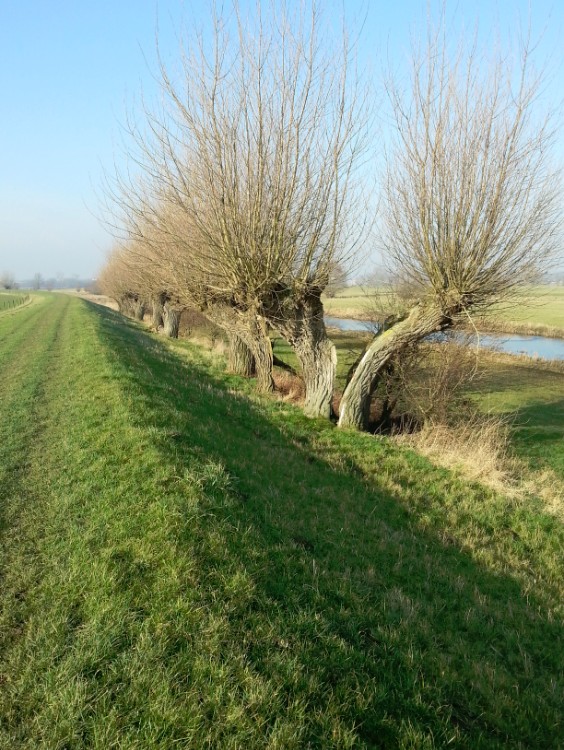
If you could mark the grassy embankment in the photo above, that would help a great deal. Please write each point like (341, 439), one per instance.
(9, 300)
(184, 565)
(531, 395)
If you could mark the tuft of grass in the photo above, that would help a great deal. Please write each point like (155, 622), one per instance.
(478, 446)
(185, 564)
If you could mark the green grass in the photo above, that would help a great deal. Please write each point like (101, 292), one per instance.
(352, 302)
(185, 565)
(528, 393)
(542, 305)
(531, 396)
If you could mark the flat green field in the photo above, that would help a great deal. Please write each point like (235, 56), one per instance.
(542, 305)
(185, 565)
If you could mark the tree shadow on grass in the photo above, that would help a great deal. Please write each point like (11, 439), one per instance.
(370, 592)
(538, 434)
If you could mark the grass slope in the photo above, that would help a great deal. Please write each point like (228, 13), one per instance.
(531, 396)
(184, 565)
(12, 301)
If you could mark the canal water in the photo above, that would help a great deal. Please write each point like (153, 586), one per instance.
(532, 346)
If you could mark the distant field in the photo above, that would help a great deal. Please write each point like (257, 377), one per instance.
(538, 306)
(354, 301)
(9, 301)
(542, 305)
(185, 565)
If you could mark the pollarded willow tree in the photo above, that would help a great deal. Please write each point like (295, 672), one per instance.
(118, 280)
(248, 172)
(471, 210)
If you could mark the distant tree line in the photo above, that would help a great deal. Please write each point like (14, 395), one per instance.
(248, 198)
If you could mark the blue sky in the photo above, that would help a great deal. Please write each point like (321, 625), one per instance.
(69, 70)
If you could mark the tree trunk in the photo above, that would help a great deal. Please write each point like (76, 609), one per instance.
(355, 404)
(157, 312)
(125, 305)
(171, 318)
(241, 359)
(138, 308)
(260, 345)
(252, 329)
(319, 362)
(303, 328)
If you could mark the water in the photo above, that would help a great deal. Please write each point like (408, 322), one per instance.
(348, 324)
(532, 346)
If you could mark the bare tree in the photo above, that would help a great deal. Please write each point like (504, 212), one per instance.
(338, 278)
(117, 280)
(7, 280)
(246, 176)
(471, 197)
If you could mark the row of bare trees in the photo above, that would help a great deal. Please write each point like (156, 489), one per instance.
(249, 193)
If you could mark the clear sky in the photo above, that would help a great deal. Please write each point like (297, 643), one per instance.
(69, 70)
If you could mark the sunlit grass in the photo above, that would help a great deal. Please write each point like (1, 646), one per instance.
(531, 395)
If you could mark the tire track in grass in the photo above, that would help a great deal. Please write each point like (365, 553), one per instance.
(23, 370)
(22, 421)
(15, 329)
(87, 594)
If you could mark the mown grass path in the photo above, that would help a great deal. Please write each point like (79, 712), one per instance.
(183, 565)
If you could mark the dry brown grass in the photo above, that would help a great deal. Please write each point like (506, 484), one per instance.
(547, 485)
(99, 299)
(526, 328)
(290, 387)
(478, 449)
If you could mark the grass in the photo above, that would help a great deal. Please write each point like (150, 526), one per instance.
(185, 565)
(531, 396)
(526, 392)
(10, 301)
(542, 305)
(352, 302)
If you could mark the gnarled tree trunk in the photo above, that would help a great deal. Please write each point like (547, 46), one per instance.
(171, 318)
(157, 312)
(303, 328)
(138, 308)
(241, 359)
(252, 329)
(258, 341)
(355, 404)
